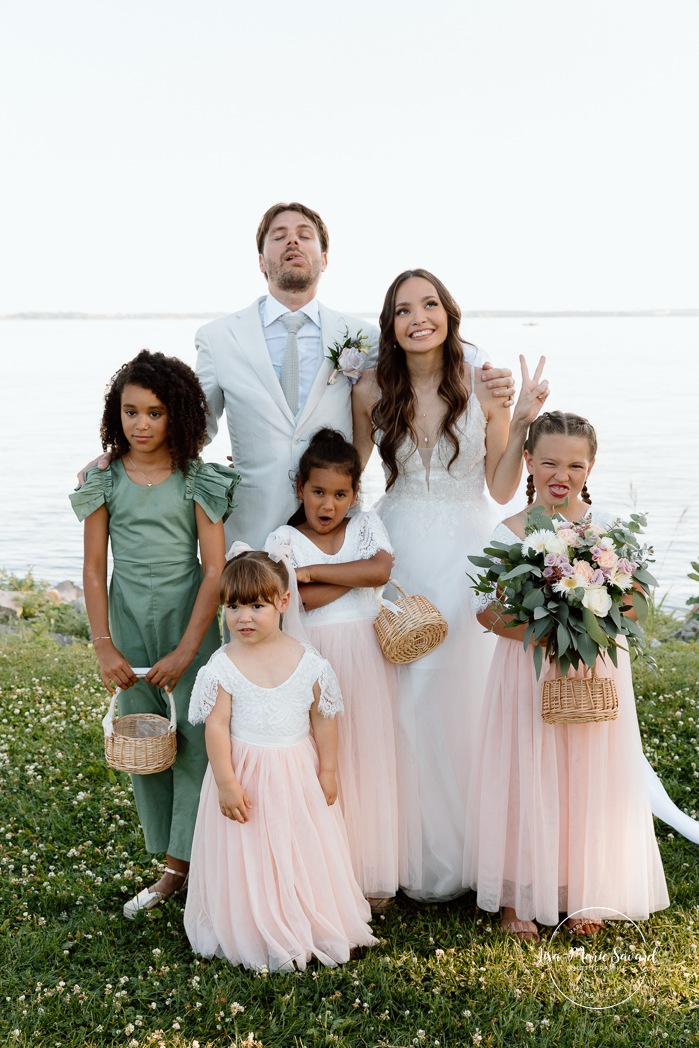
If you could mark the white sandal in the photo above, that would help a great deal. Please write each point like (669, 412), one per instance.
(147, 899)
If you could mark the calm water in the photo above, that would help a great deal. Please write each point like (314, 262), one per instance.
(635, 378)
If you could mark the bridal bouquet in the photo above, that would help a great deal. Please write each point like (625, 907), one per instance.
(570, 585)
(349, 356)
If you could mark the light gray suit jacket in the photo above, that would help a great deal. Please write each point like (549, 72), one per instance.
(235, 369)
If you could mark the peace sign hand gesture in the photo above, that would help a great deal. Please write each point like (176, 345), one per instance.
(532, 395)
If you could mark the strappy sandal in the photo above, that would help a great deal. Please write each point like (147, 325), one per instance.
(147, 899)
(525, 931)
(576, 924)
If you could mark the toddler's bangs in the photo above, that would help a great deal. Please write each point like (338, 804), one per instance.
(246, 580)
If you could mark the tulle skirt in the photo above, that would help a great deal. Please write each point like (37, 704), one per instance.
(559, 815)
(279, 889)
(367, 782)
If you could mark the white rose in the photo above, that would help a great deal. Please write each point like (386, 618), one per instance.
(570, 537)
(555, 544)
(597, 600)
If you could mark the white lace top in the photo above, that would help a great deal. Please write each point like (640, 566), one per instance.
(365, 535)
(267, 716)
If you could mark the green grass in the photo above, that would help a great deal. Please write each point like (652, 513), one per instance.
(76, 973)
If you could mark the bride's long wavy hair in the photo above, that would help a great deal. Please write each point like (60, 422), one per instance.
(394, 412)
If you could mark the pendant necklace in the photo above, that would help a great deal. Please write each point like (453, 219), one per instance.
(425, 437)
(158, 469)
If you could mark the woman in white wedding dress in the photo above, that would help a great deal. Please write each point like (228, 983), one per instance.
(444, 437)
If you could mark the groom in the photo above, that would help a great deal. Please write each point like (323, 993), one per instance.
(273, 410)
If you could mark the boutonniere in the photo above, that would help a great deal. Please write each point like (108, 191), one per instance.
(349, 356)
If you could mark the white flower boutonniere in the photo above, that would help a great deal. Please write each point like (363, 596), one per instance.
(349, 356)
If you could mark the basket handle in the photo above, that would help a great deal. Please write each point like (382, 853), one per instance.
(384, 602)
(109, 717)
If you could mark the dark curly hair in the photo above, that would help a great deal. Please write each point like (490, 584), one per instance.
(175, 384)
(327, 449)
(394, 412)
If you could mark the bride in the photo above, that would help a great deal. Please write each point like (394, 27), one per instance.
(443, 437)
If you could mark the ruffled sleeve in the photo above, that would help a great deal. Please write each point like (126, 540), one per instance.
(330, 701)
(371, 535)
(212, 487)
(95, 492)
(204, 693)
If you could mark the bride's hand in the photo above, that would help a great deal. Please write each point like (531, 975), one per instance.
(533, 393)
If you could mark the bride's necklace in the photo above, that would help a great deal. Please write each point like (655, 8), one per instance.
(427, 430)
(153, 473)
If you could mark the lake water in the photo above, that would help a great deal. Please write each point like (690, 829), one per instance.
(635, 378)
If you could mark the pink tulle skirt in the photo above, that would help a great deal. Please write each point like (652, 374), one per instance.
(367, 785)
(279, 889)
(559, 815)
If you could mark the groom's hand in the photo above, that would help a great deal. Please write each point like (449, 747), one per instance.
(500, 381)
(102, 462)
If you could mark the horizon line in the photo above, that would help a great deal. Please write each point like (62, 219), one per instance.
(471, 313)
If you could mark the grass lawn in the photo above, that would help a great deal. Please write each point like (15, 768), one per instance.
(75, 973)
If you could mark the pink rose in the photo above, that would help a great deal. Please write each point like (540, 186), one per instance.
(607, 558)
(583, 569)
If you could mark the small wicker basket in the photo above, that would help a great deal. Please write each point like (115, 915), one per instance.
(140, 743)
(579, 700)
(409, 628)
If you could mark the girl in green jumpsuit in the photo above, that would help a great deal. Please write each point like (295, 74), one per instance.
(155, 503)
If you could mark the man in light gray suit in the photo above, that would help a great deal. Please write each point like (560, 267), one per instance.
(240, 359)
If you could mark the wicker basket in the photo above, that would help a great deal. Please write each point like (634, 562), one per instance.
(578, 700)
(409, 628)
(140, 743)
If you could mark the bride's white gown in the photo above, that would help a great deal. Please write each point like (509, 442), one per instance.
(435, 518)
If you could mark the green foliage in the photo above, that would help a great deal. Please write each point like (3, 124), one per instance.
(694, 601)
(39, 612)
(77, 975)
(558, 584)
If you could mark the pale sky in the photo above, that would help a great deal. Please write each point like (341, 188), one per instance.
(536, 154)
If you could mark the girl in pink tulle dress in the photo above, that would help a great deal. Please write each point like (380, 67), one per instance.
(271, 882)
(341, 562)
(559, 814)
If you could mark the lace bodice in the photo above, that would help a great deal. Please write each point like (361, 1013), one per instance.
(365, 535)
(267, 716)
(464, 481)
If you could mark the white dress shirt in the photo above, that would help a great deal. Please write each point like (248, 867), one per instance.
(308, 338)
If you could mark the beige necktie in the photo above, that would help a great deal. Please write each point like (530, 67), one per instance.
(290, 364)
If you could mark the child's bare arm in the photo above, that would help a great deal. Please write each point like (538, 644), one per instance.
(212, 544)
(372, 572)
(325, 734)
(232, 798)
(318, 594)
(114, 668)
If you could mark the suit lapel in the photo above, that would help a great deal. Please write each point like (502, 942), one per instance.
(246, 329)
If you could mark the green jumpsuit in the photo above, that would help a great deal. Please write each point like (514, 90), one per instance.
(154, 584)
